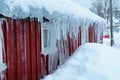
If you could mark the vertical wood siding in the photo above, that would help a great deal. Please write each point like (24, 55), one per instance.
(22, 42)
(22, 49)
(92, 34)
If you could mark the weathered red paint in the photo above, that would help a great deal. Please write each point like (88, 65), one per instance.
(22, 52)
(93, 33)
(44, 65)
(11, 59)
(27, 49)
(33, 50)
(90, 33)
(20, 49)
(22, 42)
(38, 46)
(106, 36)
(73, 43)
(79, 36)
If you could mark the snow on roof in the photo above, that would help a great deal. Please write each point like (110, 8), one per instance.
(34, 8)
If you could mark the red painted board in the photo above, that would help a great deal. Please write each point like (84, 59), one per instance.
(33, 50)
(28, 73)
(69, 44)
(90, 34)
(38, 44)
(20, 49)
(79, 36)
(10, 50)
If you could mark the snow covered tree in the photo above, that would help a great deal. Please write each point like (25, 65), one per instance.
(102, 8)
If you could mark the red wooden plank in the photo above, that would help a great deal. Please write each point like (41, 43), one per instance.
(79, 36)
(69, 44)
(38, 43)
(10, 50)
(42, 66)
(20, 50)
(90, 37)
(47, 64)
(33, 50)
(27, 49)
(94, 34)
(72, 43)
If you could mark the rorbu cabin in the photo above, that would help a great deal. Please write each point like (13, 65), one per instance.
(37, 36)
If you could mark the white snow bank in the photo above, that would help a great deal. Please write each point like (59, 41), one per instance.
(116, 40)
(32, 8)
(90, 62)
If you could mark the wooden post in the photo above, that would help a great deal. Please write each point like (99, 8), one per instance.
(111, 24)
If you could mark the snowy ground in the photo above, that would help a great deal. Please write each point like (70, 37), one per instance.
(116, 40)
(91, 62)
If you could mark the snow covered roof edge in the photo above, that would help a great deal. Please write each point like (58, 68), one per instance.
(33, 8)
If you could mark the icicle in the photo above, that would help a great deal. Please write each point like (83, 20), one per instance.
(1, 38)
(2, 66)
(53, 62)
(61, 25)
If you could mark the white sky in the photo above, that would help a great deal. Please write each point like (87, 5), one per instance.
(85, 3)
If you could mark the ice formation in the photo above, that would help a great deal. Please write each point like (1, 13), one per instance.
(69, 22)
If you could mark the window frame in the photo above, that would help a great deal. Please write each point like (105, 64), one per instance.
(45, 26)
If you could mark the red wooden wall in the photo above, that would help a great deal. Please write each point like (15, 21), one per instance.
(95, 34)
(22, 40)
(69, 45)
(22, 49)
(92, 35)
(65, 47)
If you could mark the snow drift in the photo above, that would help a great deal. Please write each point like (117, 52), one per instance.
(90, 62)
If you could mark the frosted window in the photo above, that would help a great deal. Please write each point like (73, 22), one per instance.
(45, 32)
